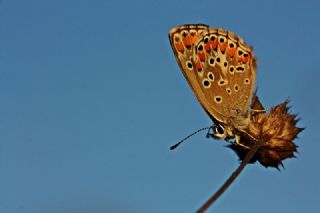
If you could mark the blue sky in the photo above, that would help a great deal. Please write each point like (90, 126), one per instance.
(91, 98)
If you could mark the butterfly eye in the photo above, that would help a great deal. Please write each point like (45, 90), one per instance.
(219, 129)
(219, 132)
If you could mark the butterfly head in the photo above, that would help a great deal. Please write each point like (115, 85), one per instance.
(219, 131)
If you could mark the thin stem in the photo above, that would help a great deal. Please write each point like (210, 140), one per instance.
(233, 176)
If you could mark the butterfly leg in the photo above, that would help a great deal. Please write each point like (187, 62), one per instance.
(258, 110)
(237, 141)
(209, 133)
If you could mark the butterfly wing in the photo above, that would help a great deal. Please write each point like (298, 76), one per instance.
(183, 40)
(219, 67)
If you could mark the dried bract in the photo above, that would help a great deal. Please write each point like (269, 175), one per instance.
(277, 129)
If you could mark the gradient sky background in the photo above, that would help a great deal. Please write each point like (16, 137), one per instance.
(91, 98)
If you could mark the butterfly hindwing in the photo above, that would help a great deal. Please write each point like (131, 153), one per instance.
(228, 74)
(183, 40)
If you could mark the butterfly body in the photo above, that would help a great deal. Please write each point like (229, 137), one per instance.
(221, 70)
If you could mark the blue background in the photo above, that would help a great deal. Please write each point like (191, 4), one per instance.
(91, 98)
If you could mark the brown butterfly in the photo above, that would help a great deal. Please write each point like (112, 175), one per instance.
(221, 70)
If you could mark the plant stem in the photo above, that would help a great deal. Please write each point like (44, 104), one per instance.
(233, 176)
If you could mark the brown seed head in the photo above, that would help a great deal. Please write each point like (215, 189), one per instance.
(277, 129)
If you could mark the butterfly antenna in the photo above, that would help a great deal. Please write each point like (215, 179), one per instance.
(192, 134)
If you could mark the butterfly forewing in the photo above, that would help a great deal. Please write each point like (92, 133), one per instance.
(219, 67)
(183, 40)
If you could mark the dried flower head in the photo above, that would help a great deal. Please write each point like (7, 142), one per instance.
(277, 129)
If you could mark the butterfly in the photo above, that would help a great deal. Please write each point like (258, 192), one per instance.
(221, 70)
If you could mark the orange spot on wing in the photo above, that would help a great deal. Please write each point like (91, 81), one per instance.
(215, 44)
(207, 47)
(240, 58)
(202, 56)
(223, 46)
(187, 41)
(194, 39)
(198, 66)
(232, 51)
(179, 46)
(245, 59)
